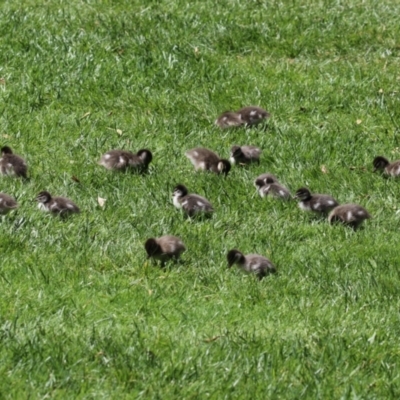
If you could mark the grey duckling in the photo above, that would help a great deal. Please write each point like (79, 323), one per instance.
(122, 160)
(245, 154)
(319, 203)
(269, 186)
(7, 203)
(12, 164)
(251, 263)
(164, 248)
(192, 204)
(253, 115)
(389, 168)
(349, 214)
(56, 205)
(207, 160)
(229, 119)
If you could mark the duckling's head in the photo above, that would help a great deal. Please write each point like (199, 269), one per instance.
(145, 155)
(260, 183)
(152, 247)
(380, 163)
(6, 150)
(43, 197)
(180, 191)
(302, 194)
(234, 257)
(224, 166)
(236, 151)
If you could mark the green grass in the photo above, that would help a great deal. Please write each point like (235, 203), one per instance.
(84, 315)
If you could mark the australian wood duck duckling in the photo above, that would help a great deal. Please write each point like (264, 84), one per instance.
(349, 214)
(263, 177)
(253, 115)
(121, 160)
(192, 204)
(12, 164)
(319, 203)
(7, 203)
(389, 168)
(56, 205)
(207, 160)
(164, 248)
(245, 154)
(251, 263)
(229, 119)
(268, 186)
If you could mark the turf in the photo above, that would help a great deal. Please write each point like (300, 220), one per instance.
(83, 314)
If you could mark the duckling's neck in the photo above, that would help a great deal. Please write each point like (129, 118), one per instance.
(176, 201)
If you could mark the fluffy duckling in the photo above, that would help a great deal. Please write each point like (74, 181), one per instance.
(164, 248)
(7, 203)
(269, 186)
(207, 160)
(349, 214)
(253, 115)
(229, 119)
(192, 204)
(251, 263)
(319, 203)
(12, 164)
(389, 168)
(121, 160)
(56, 205)
(265, 176)
(245, 154)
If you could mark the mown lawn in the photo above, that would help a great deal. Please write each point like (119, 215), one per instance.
(83, 314)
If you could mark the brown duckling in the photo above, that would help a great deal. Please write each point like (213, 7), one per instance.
(7, 203)
(319, 203)
(164, 248)
(12, 164)
(229, 119)
(192, 204)
(349, 214)
(389, 168)
(251, 263)
(207, 160)
(253, 115)
(269, 186)
(56, 205)
(122, 160)
(263, 177)
(245, 154)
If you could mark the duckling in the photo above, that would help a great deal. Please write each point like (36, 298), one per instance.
(253, 115)
(192, 204)
(7, 203)
(251, 263)
(229, 119)
(164, 248)
(320, 203)
(349, 214)
(56, 205)
(12, 164)
(269, 186)
(245, 154)
(265, 176)
(122, 160)
(382, 163)
(207, 160)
